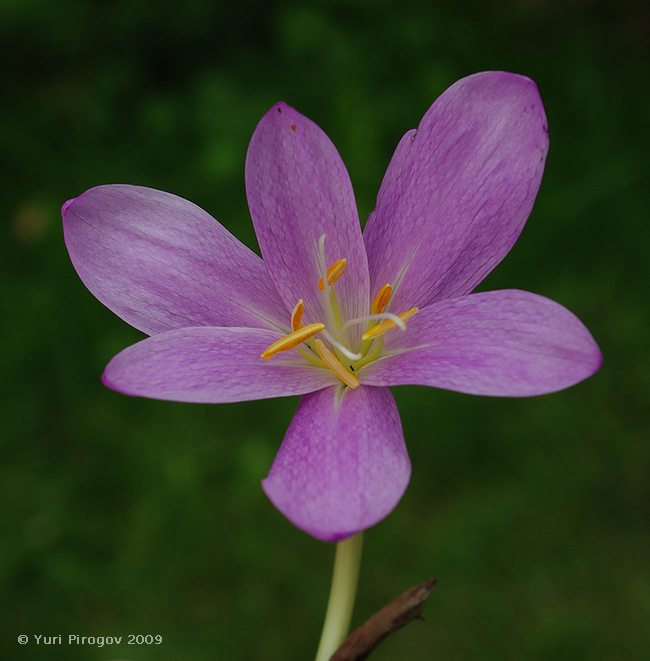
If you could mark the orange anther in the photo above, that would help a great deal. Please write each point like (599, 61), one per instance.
(381, 300)
(388, 324)
(334, 272)
(292, 340)
(296, 315)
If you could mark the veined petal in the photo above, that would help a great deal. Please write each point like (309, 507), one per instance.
(160, 262)
(343, 465)
(211, 365)
(507, 343)
(298, 189)
(458, 190)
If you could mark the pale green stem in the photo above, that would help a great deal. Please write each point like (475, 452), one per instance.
(342, 594)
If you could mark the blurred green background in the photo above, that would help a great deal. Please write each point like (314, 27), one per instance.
(131, 516)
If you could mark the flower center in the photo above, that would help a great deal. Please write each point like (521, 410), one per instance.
(332, 351)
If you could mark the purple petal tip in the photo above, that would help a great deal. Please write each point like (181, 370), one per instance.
(342, 466)
(520, 77)
(112, 384)
(66, 206)
(107, 383)
(281, 108)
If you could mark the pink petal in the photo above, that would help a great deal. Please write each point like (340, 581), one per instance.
(161, 262)
(507, 343)
(343, 465)
(458, 190)
(211, 365)
(298, 189)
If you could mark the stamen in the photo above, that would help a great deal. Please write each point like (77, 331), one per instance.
(341, 347)
(330, 303)
(292, 340)
(381, 300)
(384, 326)
(334, 272)
(335, 365)
(296, 315)
(372, 317)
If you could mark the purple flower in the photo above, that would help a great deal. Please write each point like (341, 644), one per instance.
(331, 314)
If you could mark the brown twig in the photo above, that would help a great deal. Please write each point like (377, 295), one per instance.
(393, 616)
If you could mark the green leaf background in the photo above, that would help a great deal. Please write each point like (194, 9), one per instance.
(130, 516)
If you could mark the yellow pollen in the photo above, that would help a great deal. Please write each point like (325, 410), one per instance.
(335, 365)
(386, 325)
(292, 340)
(334, 272)
(296, 315)
(381, 300)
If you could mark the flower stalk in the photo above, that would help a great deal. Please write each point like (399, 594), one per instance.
(342, 595)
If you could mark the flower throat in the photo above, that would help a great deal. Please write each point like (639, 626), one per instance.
(332, 350)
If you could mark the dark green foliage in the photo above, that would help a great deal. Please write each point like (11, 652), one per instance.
(130, 516)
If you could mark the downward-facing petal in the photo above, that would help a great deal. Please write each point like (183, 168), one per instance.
(298, 189)
(211, 365)
(507, 343)
(160, 262)
(343, 465)
(458, 190)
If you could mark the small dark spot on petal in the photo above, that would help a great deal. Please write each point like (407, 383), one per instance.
(279, 109)
(293, 127)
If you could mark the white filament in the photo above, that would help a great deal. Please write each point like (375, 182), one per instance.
(322, 264)
(341, 347)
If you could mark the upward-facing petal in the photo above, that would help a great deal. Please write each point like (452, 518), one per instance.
(343, 465)
(160, 262)
(298, 189)
(458, 190)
